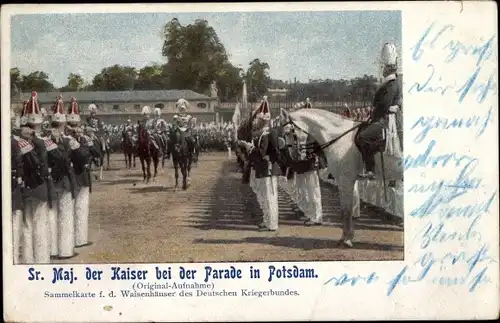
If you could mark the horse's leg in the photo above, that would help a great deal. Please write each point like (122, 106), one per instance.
(148, 165)
(176, 172)
(101, 167)
(143, 167)
(126, 159)
(184, 174)
(108, 155)
(347, 195)
(156, 161)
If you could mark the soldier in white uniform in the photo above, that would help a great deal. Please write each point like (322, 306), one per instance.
(62, 221)
(36, 241)
(184, 120)
(17, 184)
(264, 158)
(308, 104)
(81, 167)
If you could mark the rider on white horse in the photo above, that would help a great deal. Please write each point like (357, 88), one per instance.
(184, 120)
(386, 101)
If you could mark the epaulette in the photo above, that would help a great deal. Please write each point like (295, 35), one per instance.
(73, 143)
(24, 145)
(49, 144)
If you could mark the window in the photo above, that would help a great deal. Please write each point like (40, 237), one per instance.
(137, 106)
(116, 107)
(201, 105)
(159, 105)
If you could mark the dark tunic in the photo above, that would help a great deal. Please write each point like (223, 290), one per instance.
(66, 182)
(265, 158)
(39, 192)
(17, 172)
(370, 137)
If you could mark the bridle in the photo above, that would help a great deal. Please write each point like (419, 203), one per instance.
(317, 148)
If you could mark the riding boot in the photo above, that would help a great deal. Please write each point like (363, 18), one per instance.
(369, 161)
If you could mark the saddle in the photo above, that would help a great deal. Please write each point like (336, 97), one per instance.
(380, 145)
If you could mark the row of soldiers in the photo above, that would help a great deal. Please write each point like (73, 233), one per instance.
(268, 158)
(51, 183)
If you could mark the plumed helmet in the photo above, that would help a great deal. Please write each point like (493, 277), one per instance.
(182, 104)
(176, 116)
(389, 55)
(58, 114)
(33, 111)
(263, 112)
(73, 115)
(157, 112)
(146, 110)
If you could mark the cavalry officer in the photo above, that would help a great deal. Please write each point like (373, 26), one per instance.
(385, 101)
(184, 119)
(265, 158)
(159, 126)
(62, 221)
(81, 168)
(37, 197)
(16, 188)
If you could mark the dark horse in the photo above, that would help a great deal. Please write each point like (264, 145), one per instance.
(147, 151)
(129, 147)
(182, 155)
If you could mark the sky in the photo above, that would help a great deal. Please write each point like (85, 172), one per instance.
(302, 45)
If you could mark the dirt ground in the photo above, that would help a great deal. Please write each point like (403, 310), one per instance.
(215, 220)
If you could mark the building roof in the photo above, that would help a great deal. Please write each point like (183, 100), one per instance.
(119, 96)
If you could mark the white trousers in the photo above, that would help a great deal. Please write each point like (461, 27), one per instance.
(267, 193)
(290, 187)
(36, 233)
(309, 195)
(81, 212)
(17, 234)
(229, 154)
(62, 226)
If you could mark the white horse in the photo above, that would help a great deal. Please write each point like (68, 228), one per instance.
(343, 157)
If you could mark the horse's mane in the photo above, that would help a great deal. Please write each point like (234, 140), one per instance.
(323, 118)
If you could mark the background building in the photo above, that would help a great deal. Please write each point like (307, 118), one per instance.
(118, 106)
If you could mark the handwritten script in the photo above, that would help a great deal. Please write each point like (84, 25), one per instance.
(455, 78)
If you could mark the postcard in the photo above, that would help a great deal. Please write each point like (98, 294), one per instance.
(250, 161)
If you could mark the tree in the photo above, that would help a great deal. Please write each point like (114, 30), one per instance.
(115, 78)
(257, 77)
(151, 77)
(196, 57)
(75, 83)
(37, 81)
(15, 80)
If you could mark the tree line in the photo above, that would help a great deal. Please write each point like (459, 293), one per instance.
(195, 57)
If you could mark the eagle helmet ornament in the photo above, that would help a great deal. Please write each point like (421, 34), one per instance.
(182, 105)
(92, 108)
(73, 115)
(389, 56)
(58, 114)
(33, 111)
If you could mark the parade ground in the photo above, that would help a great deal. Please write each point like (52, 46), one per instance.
(215, 219)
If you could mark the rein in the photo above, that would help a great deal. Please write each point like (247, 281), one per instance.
(327, 144)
